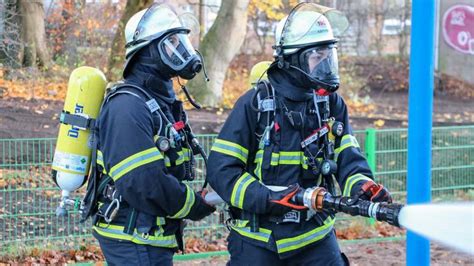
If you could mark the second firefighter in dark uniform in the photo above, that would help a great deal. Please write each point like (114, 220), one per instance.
(283, 134)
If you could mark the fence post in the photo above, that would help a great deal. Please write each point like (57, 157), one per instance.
(370, 153)
(371, 147)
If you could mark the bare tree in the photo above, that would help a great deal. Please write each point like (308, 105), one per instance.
(33, 34)
(10, 42)
(117, 54)
(379, 10)
(404, 31)
(358, 16)
(67, 41)
(262, 26)
(219, 46)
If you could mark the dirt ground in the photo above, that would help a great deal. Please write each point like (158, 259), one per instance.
(376, 254)
(20, 118)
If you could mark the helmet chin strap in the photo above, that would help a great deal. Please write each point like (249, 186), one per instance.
(314, 80)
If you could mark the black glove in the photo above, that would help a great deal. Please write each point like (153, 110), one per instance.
(374, 192)
(281, 202)
(200, 209)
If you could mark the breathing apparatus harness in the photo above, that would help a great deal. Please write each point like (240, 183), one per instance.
(175, 133)
(268, 103)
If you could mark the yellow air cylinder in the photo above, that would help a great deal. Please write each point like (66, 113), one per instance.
(72, 156)
(258, 72)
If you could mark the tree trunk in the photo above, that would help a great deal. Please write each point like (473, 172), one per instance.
(35, 51)
(219, 46)
(117, 54)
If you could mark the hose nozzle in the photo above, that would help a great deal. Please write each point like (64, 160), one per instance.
(319, 199)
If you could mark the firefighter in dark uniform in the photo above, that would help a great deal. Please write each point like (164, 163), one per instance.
(144, 146)
(283, 136)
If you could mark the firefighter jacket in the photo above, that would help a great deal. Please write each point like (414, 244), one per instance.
(153, 200)
(240, 169)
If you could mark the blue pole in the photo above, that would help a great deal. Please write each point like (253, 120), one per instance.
(420, 120)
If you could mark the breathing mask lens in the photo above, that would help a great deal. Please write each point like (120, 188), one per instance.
(176, 50)
(321, 63)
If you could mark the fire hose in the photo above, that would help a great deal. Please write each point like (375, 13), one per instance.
(318, 199)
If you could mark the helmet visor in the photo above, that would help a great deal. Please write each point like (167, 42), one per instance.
(176, 50)
(321, 63)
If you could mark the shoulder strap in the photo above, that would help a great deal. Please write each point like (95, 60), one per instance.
(152, 104)
(266, 104)
(119, 89)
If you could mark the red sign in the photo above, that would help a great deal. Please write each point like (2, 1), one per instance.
(458, 28)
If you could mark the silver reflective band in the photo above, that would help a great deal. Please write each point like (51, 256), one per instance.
(373, 210)
(307, 196)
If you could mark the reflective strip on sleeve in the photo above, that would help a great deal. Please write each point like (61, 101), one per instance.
(116, 232)
(184, 156)
(346, 142)
(134, 161)
(351, 181)
(188, 204)
(238, 192)
(289, 244)
(231, 149)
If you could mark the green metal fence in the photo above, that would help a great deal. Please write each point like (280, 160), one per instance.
(28, 196)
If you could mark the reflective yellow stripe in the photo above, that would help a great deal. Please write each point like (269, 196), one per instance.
(258, 167)
(351, 181)
(238, 192)
(290, 158)
(287, 157)
(100, 161)
(190, 198)
(160, 220)
(289, 244)
(116, 232)
(346, 142)
(230, 148)
(134, 161)
(184, 156)
(262, 234)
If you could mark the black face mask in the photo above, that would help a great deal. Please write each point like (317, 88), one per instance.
(191, 69)
(150, 58)
(177, 53)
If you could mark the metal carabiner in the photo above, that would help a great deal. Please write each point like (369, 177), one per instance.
(112, 211)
